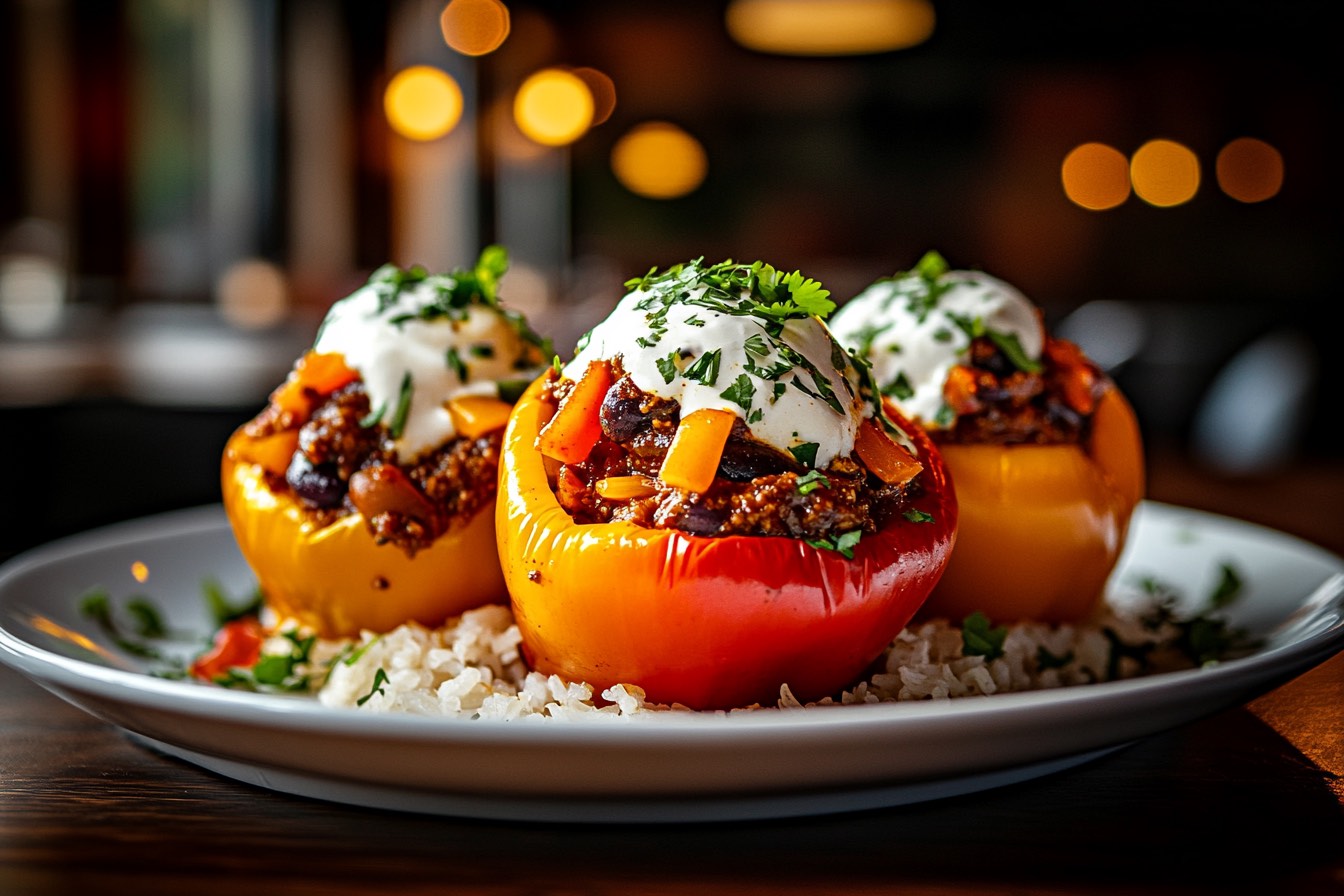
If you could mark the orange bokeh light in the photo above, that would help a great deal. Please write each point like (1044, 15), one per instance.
(1096, 176)
(474, 27)
(1249, 170)
(1164, 173)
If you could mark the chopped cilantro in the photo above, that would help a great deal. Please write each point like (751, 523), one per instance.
(398, 424)
(978, 638)
(379, 679)
(740, 392)
(915, 515)
(805, 454)
(456, 364)
(811, 481)
(705, 369)
(668, 366)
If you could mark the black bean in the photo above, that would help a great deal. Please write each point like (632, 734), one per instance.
(746, 459)
(317, 486)
(699, 520)
(622, 417)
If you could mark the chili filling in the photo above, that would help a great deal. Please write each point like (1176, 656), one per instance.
(757, 490)
(344, 465)
(996, 402)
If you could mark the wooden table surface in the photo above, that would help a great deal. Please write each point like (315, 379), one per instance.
(1250, 800)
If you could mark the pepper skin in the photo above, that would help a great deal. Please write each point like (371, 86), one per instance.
(1041, 526)
(709, 623)
(336, 579)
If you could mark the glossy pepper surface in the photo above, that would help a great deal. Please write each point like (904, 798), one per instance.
(702, 621)
(1041, 526)
(336, 578)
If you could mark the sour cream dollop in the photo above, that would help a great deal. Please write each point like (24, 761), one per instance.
(418, 340)
(915, 327)
(718, 337)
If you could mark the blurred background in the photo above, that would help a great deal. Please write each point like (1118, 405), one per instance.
(185, 187)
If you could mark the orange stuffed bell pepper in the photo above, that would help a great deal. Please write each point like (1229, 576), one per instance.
(362, 496)
(1043, 448)
(710, 503)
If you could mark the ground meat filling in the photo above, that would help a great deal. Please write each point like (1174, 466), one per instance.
(997, 403)
(755, 492)
(343, 466)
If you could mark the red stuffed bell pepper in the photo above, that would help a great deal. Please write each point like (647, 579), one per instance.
(708, 502)
(363, 495)
(1043, 448)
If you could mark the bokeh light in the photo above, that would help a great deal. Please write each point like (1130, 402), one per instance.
(829, 27)
(1164, 173)
(1249, 170)
(474, 27)
(554, 107)
(423, 103)
(603, 90)
(1096, 176)
(139, 571)
(659, 160)
(252, 294)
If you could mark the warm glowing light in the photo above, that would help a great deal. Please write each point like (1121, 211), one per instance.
(252, 294)
(603, 90)
(1164, 173)
(829, 27)
(32, 295)
(554, 107)
(659, 160)
(1096, 176)
(1249, 170)
(423, 103)
(474, 27)
(140, 572)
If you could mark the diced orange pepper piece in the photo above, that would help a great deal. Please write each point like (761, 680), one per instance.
(475, 415)
(271, 452)
(883, 457)
(625, 488)
(693, 458)
(959, 391)
(323, 373)
(577, 425)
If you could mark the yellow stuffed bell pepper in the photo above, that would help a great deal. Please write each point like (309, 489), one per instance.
(362, 496)
(1042, 526)
(1044, 450)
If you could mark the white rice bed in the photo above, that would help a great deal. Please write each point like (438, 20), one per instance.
(472, 667)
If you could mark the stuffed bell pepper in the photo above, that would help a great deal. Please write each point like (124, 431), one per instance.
(362, 496)
(1043, 448)
(710, 502)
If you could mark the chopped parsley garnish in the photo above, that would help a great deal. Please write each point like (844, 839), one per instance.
(979, 638)
(899, 388)
(456, 364)
(668, 366)
(741, 392)
(811, 481)
(379, 679)
(915, 515)
(705, 369)
(399, 416)
(843, 544)
(805, 454)
(371, 419)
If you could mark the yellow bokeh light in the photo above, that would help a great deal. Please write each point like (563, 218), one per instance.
(139, 571)
(1164, 173)
(659, 160)
(423, 103)
(553, 107)
(474, 27)
(1249, 170)
(829, 27)
(1096, 176)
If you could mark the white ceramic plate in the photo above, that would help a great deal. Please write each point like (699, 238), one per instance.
(664, 767)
